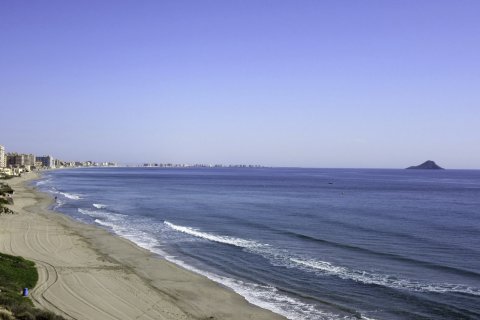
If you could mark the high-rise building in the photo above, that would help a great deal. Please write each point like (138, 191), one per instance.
(3, 160)
(47, 161)
(15, 160)
(19, 160)
(29, 160)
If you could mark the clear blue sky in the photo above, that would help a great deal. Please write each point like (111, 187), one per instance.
(284, 83)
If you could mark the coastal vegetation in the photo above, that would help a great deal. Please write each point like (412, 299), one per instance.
(5, 189)
(17, 273)
(5, 192)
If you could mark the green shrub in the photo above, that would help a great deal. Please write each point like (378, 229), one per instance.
(17, 273)
(5, 189)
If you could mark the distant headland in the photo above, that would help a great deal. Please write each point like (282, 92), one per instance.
(429, 164)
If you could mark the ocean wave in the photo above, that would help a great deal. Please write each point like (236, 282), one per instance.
(382, 280)
(268, 297)
(238, 242)
(69, 195)
(141, 238)
(58, 204)
(425, 264)
(281, 257)
(106, 224)
(105, 215)
(42, 182)
(99, 205)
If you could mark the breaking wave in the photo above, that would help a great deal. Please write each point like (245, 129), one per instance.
(69, 195)
(105, 215)
(268, 297)
(281, 257)
(42, 182)
(238, 242)
(381, 280)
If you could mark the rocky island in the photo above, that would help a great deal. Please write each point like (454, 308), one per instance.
(429, 164)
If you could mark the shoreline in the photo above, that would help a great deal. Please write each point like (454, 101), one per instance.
(86, 272)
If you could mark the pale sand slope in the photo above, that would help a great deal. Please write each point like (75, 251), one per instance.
(87, 273)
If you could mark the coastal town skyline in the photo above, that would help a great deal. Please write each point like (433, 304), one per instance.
(14, 163)
(310, 84)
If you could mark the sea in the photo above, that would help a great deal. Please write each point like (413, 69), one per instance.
(304, 243)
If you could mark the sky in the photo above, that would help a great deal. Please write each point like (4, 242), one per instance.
(358, 84)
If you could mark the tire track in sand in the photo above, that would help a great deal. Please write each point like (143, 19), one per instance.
(48, 276)
(47, 273)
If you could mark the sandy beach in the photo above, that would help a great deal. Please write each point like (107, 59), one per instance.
(87, 273)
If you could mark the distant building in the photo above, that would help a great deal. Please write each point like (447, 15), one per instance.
(47, 161)
(15, 160)
(29, 160)
(3, 161)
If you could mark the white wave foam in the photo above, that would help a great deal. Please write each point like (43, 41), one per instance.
(106, 224)
(382, 280)
(58, 204)
(69, 195)
(105, 215)
(280, 257)
(140, 238)
(99, 205)
(42, 182)
(267, 297)
(238, 242)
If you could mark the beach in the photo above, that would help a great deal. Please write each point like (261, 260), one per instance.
(88, 273)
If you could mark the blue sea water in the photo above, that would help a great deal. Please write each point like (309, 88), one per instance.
(305, 243)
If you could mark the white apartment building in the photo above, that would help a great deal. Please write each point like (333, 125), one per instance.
(3, 160)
